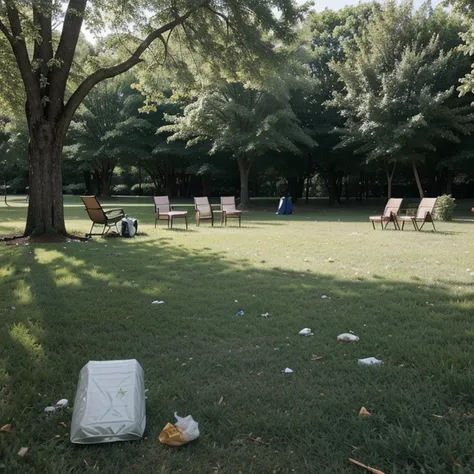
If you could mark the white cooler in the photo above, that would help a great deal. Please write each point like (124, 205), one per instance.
(110, 402)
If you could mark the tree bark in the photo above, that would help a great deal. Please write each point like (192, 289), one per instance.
(417, 179)
(389, 174)
(6, 193)
(245, 164)
(45, 209)
(107, 174)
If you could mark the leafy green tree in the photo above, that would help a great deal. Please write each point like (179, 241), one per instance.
(466, 9)
(397, 102)
(99, 135)
(244, 121)
(226, 29)
(323, 39)
(13, 155)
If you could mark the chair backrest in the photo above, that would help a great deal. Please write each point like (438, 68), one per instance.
(228, 203)
(426, 205)
(162, 204)
(202, 205)
(392, 207)
(94, 209)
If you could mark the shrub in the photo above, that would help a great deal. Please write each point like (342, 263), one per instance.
(444, 209)
(148, 189)
(121, 190)
(76, 189)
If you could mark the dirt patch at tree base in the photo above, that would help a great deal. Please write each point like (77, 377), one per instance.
(42, 239)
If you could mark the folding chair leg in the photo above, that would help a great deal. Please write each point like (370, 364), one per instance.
(373, 224)
(403, 225)
(92, 228)
(155, 221)
(240, 221)
(171, 221)
(434, 228)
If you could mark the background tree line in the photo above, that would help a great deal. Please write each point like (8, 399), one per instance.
(364, 102)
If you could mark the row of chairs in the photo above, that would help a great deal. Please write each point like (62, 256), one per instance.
(203, 210)
(163, 211)
(392, 214)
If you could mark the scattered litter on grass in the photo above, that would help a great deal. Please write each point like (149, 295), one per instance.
(63, 424)
(57, 406)
(183, 431)
(364, 412)
(22, 452)
(367, 468)
(346, 337)
(220, 400)
(306, 332)
(287, 371)
(6, 428)
(330, 260)
(257, 440)
(236, 301)
(316, 357)
(370, 361)
(266, 315)
(157, 302)
(240, 313)
(324, 297)
(13, 308)
(58, 436)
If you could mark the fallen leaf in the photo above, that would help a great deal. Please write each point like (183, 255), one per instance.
(315, 357)
(220, 400)
(63, 424)
(22, 452)
(364, 412)
(367, 468)
(6, 428)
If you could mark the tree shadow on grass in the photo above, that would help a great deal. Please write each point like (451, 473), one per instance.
(74, 304)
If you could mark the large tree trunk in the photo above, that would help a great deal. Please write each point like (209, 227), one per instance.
(45, 208)
(107, 174)
(389, 172)
(417, 179)
(244, 163)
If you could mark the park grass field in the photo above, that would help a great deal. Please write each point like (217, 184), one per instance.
(407, 295)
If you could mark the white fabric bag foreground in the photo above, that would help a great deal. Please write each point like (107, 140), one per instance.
(110, 403)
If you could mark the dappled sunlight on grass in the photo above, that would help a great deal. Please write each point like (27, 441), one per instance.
(22, 334)
(22, 293)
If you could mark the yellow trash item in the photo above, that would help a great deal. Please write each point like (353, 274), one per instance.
(185, 430)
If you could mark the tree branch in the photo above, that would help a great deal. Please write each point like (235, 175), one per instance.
(105, 73)
(65, 54)
(20, 52)
(42, 19)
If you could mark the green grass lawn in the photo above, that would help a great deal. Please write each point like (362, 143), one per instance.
(408, 296)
